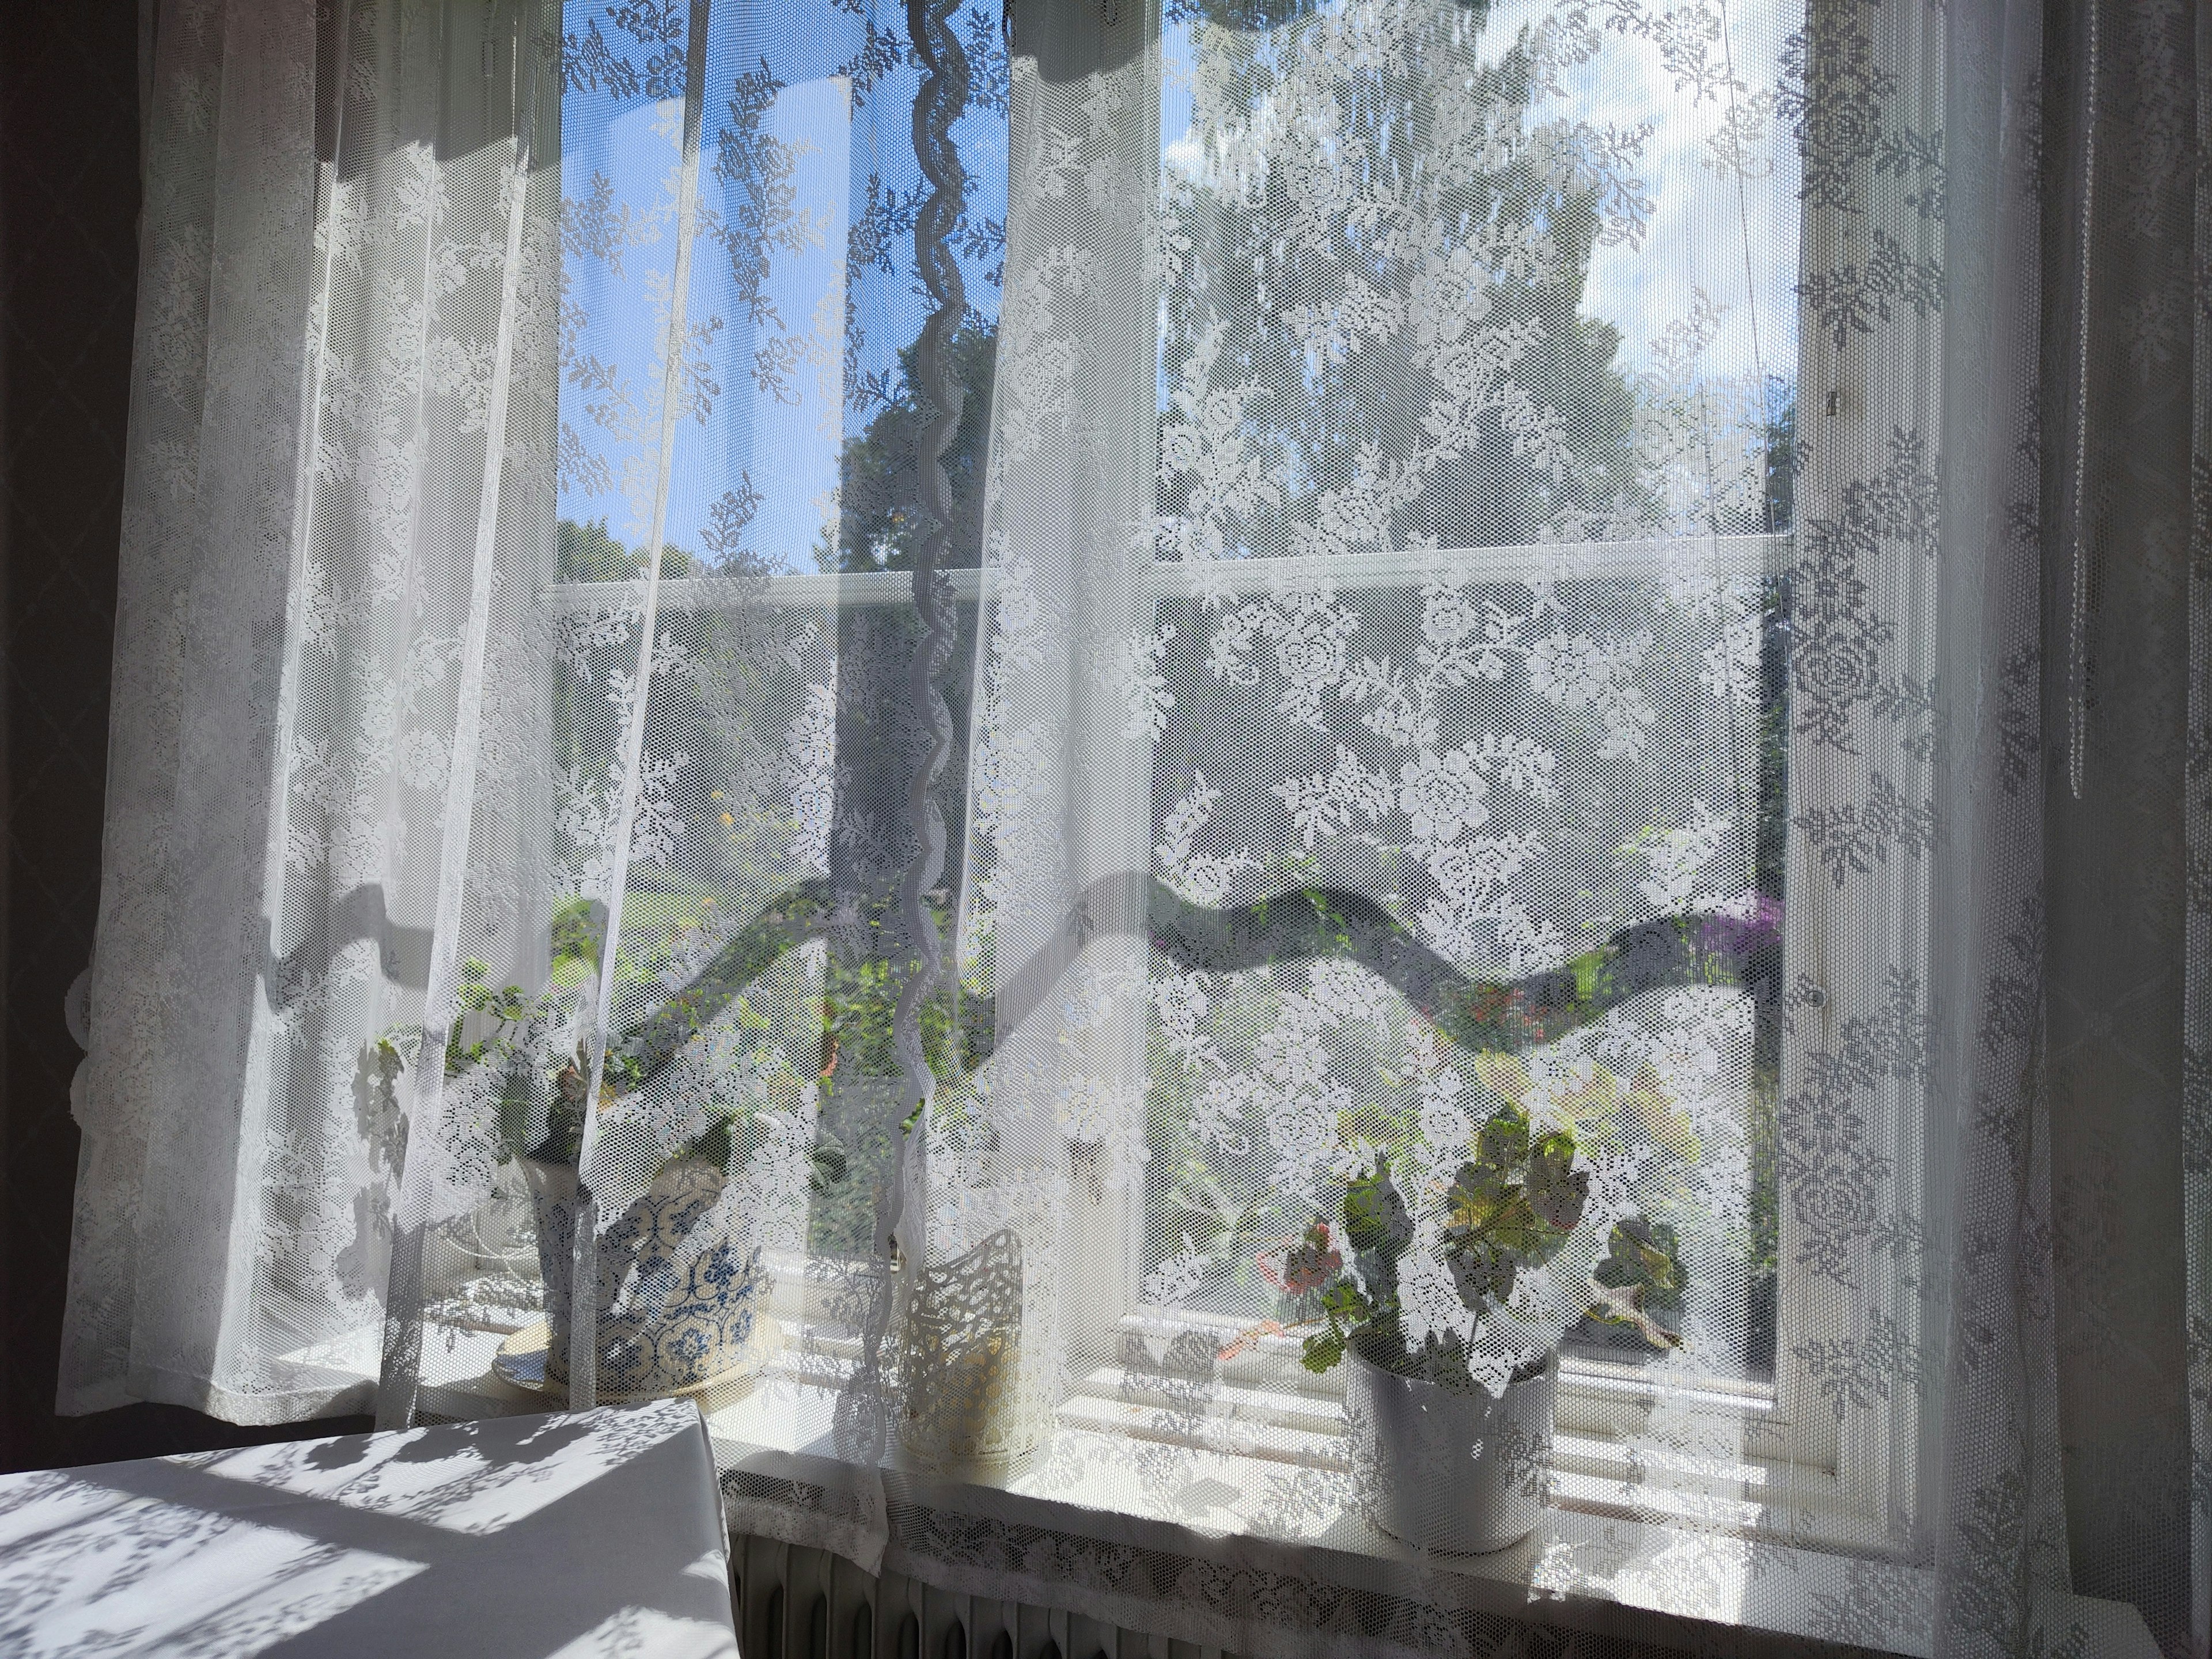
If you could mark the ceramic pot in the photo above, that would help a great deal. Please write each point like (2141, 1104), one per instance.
(1457, 1473)
(681, 1300)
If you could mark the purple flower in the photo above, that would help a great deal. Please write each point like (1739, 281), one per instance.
(1741, 927)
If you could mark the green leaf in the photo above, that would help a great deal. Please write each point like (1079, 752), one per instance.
(1323, 1349)
(1477, 1207)
(1640, 1277)
(1375, 1216)
(1342, 1301)
(1623, 1304)
(1556, 1191)
(1502, 1145)
(1483, 1272)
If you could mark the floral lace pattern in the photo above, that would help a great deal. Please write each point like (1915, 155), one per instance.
(1054, 636)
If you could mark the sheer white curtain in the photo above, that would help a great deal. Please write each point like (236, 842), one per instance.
(329, 680)
(844, 708)
(512, 708)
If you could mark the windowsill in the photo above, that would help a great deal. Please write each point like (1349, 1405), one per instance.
(1287, 1510)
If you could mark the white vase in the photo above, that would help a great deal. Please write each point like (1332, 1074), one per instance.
(1458, 1473)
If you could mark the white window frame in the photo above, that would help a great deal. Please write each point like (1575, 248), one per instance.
(1601, 1405)
(1851, 1482)
(1836, 1486)
(1847, 1484)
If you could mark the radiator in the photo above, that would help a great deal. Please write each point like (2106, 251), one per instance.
(797, 1603)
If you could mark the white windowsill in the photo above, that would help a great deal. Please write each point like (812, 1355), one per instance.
(1588, 1565)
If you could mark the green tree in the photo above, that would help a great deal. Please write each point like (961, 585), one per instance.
(585, 552)
(880, 522)
(1309, 414)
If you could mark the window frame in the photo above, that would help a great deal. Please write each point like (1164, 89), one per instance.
(1601, 1405)
(1845, 1481)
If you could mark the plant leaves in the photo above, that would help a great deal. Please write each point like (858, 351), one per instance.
(1556, 1191)
(1482, 1272)
(1375, 1218)
(1323, 1349)
(1623, 1304)
(1639, 1278)
(1502, 1144)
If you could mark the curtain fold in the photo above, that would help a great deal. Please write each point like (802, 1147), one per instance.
(977, 732)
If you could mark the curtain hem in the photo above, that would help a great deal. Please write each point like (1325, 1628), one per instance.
(154, 1385)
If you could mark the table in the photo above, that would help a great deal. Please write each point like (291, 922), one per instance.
(577, 1535)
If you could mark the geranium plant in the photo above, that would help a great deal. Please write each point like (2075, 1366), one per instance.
(1511, 1207)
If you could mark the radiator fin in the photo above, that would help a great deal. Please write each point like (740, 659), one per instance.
(895, 1617)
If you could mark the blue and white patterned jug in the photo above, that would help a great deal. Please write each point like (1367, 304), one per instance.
(681, 1290)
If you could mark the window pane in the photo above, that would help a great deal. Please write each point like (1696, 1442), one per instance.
(1466, 697)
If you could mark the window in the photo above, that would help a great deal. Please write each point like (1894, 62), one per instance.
(1559, 708)
(1400, 702)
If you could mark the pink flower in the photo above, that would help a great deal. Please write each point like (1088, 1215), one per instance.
(1300, 1266)
(1244, 1339)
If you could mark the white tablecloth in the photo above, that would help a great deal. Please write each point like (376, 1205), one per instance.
(516, 1538)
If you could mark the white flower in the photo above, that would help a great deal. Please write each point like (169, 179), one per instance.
(809, 775)
(1449, 614)
(1444, 796)
(1576, 672)
(1446, 1129)
(1198, 878)
(1180, 1005)
(1568, 669)
(423, 759)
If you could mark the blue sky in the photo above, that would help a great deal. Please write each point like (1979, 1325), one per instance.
(785, 437)
(1735, 241)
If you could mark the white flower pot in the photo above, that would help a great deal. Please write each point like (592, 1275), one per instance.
(1460, 1473)
(681, 1296)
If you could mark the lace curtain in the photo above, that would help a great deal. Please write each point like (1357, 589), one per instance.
(902, 715)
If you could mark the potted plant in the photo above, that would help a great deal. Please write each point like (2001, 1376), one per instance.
(1448, 1454)
(681, 1290)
